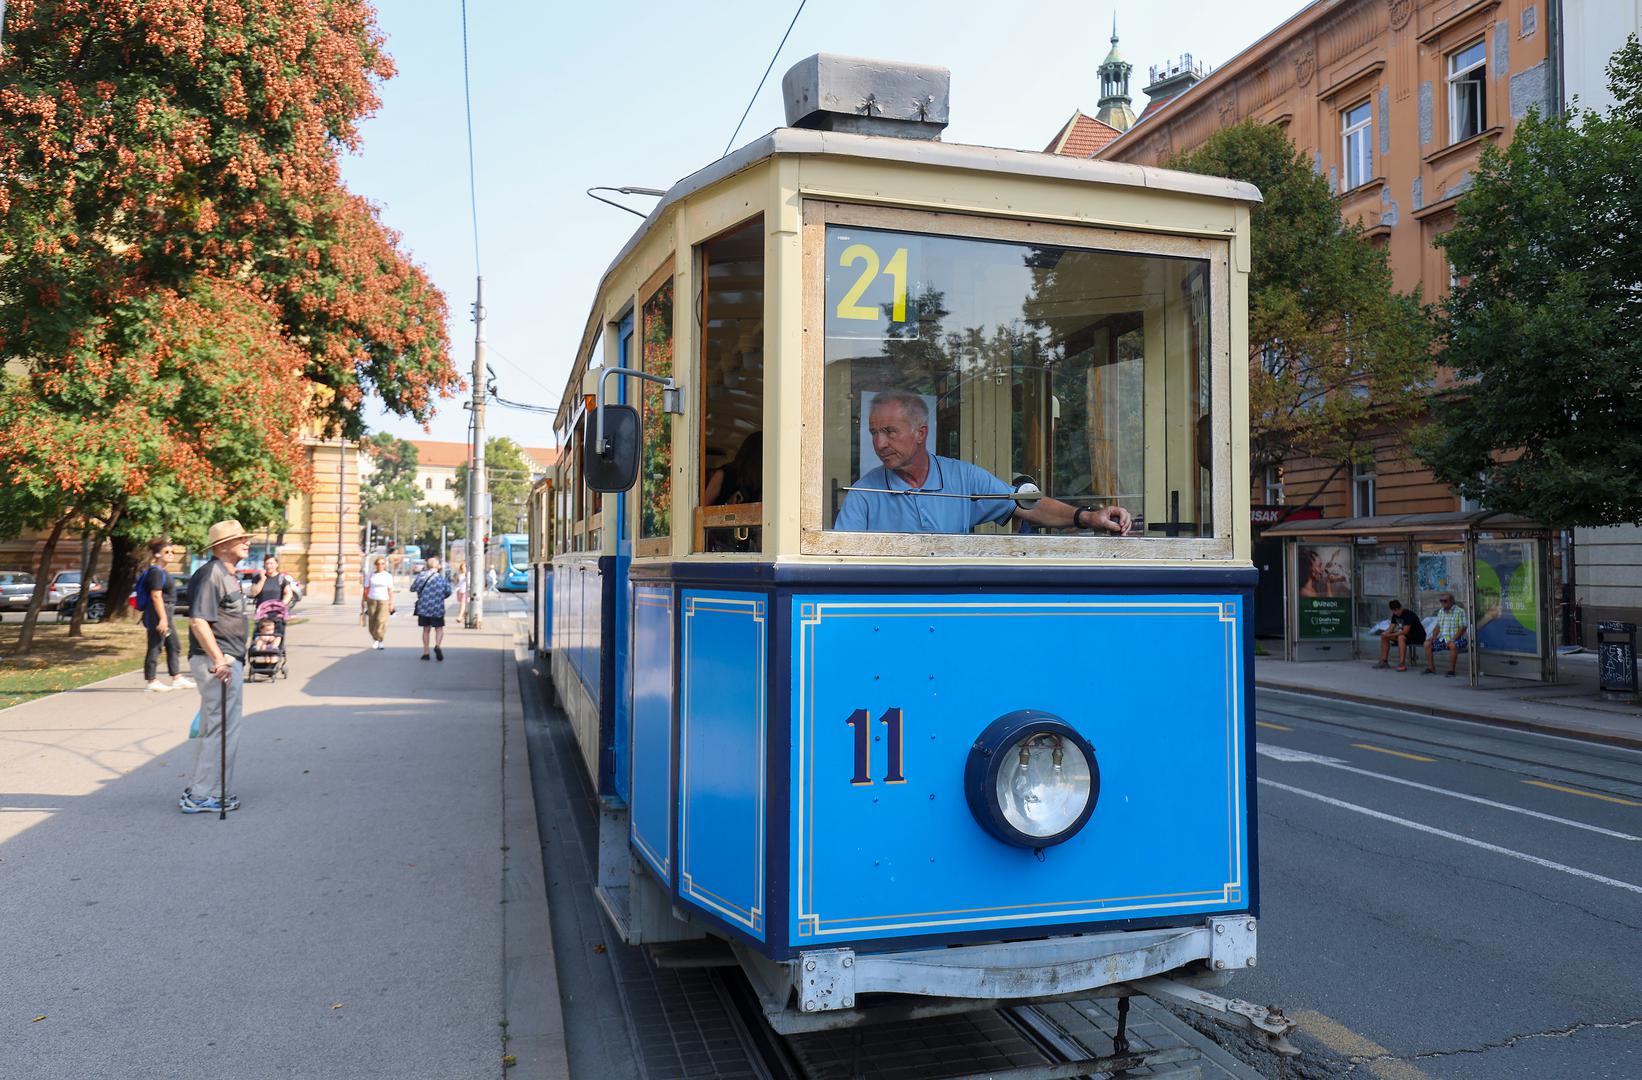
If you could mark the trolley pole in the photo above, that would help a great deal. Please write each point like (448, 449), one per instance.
(478, 489)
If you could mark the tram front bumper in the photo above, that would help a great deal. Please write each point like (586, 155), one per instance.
(827, 979)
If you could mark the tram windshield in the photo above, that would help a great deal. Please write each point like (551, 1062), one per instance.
(957, 368)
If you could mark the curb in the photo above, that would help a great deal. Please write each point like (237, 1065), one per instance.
(535, 1035)
(1629, 742)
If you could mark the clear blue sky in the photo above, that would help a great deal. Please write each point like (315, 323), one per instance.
(571, 95)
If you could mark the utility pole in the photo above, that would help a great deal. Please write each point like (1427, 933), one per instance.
(477, 487)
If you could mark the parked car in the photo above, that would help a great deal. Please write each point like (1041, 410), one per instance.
(16, 588)
(65, 584)
(96, 606)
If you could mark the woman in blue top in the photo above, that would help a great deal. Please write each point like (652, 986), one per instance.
(432, 590)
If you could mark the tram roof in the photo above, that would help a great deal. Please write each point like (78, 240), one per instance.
(950, 155)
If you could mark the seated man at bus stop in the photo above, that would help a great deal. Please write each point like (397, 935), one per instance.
(1405, 628)
(914, 491)
(1449, 633)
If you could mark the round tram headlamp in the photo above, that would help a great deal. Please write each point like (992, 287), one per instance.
(1031, 779)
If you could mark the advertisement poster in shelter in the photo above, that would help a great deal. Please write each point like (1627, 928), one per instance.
(1322, 602)
(1507, 614)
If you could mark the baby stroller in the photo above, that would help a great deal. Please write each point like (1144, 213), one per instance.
(266, 656)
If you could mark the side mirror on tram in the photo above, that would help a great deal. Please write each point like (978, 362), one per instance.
(614, 466)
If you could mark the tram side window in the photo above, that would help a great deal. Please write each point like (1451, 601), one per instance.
(955, 366)
(732, 379)
(656, 455)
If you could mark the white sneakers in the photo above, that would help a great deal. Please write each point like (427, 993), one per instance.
(183, 682)
(157, 687)
(377, 645)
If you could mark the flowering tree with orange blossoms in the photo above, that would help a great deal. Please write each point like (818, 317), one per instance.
(143, 142)
(189, 406)
(160, 158)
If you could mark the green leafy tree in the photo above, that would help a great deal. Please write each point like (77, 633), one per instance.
(507, 475)
(434, 523)
(394, 477)
(1544, 329)
(1337, 355)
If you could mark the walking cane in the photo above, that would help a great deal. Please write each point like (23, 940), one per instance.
(222, 806)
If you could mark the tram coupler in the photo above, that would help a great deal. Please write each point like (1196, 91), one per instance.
(1267, 1021)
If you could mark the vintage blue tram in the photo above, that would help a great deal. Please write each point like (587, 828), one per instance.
(867, 686)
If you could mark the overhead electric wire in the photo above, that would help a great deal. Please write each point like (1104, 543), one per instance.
(467, 100)
(516, 366)
(766, 75)
(506, 404)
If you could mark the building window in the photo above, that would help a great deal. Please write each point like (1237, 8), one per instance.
(1274, 485)
(450, 483)
(1357, 145)
(1362, 490)
(427, 483)
(1467, 92)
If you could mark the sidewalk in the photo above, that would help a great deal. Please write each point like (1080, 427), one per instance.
(376, 909)
(1571, 706)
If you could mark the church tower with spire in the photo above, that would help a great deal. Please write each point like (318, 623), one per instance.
(1114, 105)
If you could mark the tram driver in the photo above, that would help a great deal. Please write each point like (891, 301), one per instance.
(899, 424)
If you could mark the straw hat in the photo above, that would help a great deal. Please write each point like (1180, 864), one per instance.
(224, 531)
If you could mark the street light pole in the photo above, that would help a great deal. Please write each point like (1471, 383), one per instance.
(477, 486)
(341, 507)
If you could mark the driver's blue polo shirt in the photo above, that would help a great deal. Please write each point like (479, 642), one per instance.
(866, 511)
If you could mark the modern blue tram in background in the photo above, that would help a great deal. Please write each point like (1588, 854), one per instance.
(886, 759)
(509, 556)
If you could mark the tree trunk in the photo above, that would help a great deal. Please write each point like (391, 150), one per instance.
(84, 599)
(42, 581)
(122, 577)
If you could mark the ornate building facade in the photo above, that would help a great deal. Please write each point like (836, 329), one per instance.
(1393, 101)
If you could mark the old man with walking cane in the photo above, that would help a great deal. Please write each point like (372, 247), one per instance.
(217, 626)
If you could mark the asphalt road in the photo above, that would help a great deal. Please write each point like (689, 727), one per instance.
(1445, 899)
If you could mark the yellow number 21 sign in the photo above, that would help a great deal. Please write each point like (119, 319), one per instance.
(850, 307)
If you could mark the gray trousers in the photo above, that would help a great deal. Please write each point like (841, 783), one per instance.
(208, 765)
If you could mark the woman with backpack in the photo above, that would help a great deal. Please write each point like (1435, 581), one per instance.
(157, 600)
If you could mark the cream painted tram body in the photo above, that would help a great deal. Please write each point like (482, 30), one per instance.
(995, 764)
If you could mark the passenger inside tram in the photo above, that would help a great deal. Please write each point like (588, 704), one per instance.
(914, 491)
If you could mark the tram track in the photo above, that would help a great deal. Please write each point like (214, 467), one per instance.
(1629, 786)
(1021, 1042)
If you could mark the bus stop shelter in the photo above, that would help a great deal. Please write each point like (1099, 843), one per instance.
(1340, 575)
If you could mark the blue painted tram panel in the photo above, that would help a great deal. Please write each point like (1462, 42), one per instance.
(1025, 719)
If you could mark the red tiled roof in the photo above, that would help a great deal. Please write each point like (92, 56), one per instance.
(451, 454)
(447, 454)
(1082, 136)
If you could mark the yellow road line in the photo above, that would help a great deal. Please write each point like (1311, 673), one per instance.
(1274, 727)
(1342, 1040)
(1587, 794)
(1393, 753)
